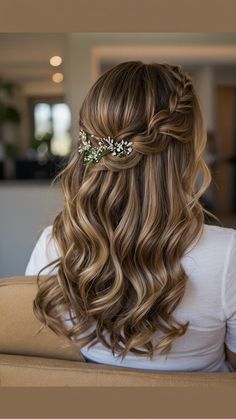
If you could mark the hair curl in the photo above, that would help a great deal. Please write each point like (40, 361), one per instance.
(126, 223)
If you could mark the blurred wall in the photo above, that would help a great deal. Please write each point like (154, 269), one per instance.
(84, 50)
(25, 208)
(205, 86)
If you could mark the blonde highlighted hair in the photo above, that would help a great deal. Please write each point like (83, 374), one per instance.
(127, 222)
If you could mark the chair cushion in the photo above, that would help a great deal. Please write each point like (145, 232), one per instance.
(35, 371)
(19, 326)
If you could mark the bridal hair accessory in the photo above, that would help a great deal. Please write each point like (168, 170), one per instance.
(107, 145)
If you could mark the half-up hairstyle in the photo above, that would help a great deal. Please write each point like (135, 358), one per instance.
(127, 222)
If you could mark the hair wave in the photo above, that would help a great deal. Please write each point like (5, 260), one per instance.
(126, 223)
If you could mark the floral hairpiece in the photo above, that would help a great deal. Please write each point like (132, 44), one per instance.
(107, 145)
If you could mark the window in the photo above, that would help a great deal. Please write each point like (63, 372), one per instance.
(50, 126)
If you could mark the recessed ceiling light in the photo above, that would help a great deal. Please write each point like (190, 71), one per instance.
(57, 77)
(55, 60)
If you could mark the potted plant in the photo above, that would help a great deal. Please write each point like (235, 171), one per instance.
(9, 117)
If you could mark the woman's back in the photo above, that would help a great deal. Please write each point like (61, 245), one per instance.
(136, 259)
(209, 304)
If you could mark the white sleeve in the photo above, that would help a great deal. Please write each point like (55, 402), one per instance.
(45, 251)
(230, 296)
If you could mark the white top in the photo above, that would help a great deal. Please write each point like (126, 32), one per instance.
(209, 303)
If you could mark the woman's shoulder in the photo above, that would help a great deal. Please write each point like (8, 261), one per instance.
(214, 227)
(48, 240)
(45, 238)
(216, 247)
(215, 243)
(44, 251)
(218, 237)
(219, 232)
(47, 231)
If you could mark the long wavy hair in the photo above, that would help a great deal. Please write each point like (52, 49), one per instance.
(127, 222)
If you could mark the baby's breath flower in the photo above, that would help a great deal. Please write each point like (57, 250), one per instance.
(94, 154)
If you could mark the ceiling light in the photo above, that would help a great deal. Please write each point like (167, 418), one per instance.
(57, 77)
(55, 60)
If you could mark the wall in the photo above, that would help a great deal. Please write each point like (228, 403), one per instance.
(200, 53)
(25, 207)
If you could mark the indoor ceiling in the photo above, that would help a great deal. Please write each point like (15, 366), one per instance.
(25, 56)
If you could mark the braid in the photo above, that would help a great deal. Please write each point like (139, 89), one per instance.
(164, 126)
(173, 122)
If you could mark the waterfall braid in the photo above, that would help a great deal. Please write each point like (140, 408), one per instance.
(127, 222)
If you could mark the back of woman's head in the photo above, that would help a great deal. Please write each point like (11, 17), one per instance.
(127, 222)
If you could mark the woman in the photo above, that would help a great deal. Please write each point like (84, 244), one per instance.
(135, 276)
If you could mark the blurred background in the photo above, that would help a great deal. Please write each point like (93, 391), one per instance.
(44, 78)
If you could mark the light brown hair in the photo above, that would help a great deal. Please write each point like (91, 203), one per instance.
(127, 222)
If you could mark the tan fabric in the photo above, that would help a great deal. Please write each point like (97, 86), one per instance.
(31, 371)
(18, 325)
(45, 359)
